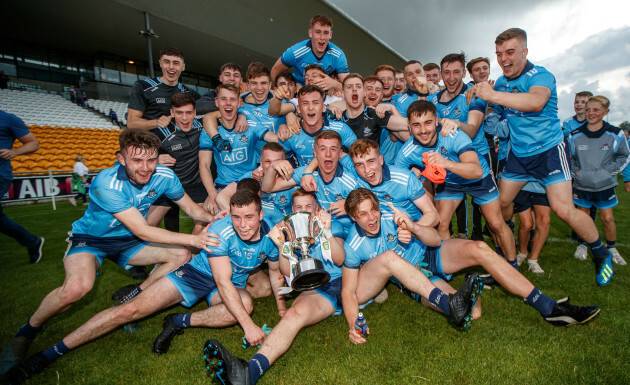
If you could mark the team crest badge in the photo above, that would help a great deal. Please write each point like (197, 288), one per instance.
(391, 237)
(152, 194)
(367, 131)
(443, 150)
(179, 273)
(339, 197)
(456, 111)
(605, 147)
(514, 90)
(387, 197)
(243, 138)
(282, 199)
(262, 256)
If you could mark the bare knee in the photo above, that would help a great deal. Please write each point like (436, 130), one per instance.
(128, 311)
(73, 291)
(607, 218)
(481, 252)
(180, 256)
(388, 257)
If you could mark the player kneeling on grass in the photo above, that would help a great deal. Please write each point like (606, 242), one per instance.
(378, 248)
(309, 308)
(442, 260)
(114, 226)
(219, 276)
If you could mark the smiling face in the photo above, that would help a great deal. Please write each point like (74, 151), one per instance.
(320, 35)
(595, 112)
(369, 166)
(512, 57)
(227, 102)
(433, 75)
(373, 93)
(480, 72)
(579, 104)
(172, 67)
(139, 164)
(231, 76)
(388, 78)
(453, 74)
(399, 85)
(311, 106)
(259, 87)
(367, 217)
(353, 92)
(184, 116)
(424, 128)
(246, 221)
(290, 84)
(327, 152)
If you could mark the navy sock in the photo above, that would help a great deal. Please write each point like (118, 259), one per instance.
(499, 251)
(258, 365)
(514, 263)
(439, 299)
(531, 234)
(598, 249)
(129, 296)
(56, 351)
(541, 302)
(182, 320)
(610, 244)
(29, 331)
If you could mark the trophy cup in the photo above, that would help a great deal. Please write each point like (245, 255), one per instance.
(300, 230)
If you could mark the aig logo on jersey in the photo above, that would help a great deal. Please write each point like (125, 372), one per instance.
(160, 100)
(238, 155)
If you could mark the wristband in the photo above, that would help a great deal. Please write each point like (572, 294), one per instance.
(327, 233)
(307, 173)
(420, 94)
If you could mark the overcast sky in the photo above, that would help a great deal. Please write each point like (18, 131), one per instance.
(585, 44)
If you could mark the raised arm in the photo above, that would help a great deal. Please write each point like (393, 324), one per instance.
(135, 120)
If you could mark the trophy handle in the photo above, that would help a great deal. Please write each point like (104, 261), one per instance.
(320, 227)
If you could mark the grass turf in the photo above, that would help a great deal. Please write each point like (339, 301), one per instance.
(409, 344)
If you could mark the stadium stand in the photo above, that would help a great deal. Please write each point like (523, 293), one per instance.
(60, 145)
(103, 106)
(46, 109)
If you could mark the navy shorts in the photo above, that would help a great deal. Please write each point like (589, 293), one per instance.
(526, 199)
(483, 191)
(332, 292)
(431, 266)
(118, 249)
(192, 284)
(548, 167)
(600, 199)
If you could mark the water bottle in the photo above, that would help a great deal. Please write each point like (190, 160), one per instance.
(361, 326)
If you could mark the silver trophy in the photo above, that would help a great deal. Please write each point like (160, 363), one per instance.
(300, 230)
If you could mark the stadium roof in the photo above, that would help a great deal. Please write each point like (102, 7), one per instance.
(210, 32)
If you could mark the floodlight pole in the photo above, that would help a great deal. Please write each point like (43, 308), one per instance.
(149, 33)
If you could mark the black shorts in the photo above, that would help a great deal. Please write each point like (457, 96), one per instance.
(526, 199)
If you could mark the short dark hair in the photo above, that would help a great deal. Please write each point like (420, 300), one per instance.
(584, 93)
(307, 89)
(138, 138)
(314, 66)
(245, 197)
(273, 146)
(288, 74)
(410, 62)
(372, 79)
(327, 134)
(181, 99)
(321, 19)
(454, 57)
(430, 67)
(256, 69)
(170, 51)
(512, 33)
(421, 107)
(303, 193)
(352, 75)
(476, 60)
(229, 87)
(357, 196)
(249, 184)
(231, 66)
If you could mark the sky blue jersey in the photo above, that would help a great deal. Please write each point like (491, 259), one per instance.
(450, 147)
(301, 55)
(532, 133)
(571, 124)
(111, 192)
(244, 256)
(400, 187)
(231, 165)
(361, 247)
(458, 109)
(302, 144)
(259, 113)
